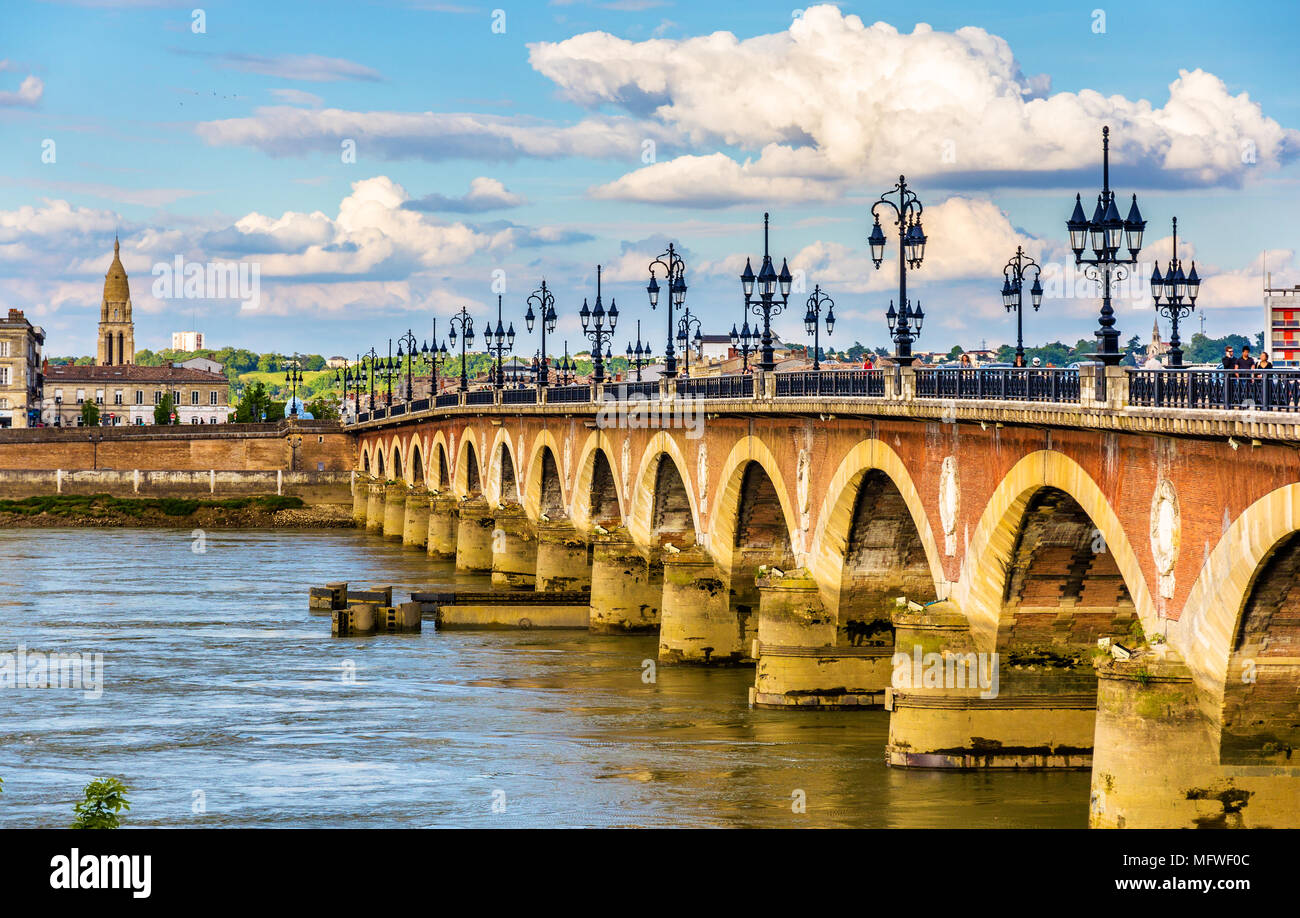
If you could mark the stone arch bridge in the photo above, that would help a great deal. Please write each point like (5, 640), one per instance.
(1070, 574)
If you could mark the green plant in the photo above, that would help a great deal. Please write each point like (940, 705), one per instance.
(89, 414)
(1143, 676)
(1136, 633)
(105, 798)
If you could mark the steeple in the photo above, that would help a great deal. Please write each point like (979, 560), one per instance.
(116, 328)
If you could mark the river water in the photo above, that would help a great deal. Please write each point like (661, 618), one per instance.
(225, 703)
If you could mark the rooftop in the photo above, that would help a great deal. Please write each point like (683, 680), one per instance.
(130, 373)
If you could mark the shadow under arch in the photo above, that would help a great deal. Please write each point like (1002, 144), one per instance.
(597, 496)
(664, 506)
(753, 509)
(504, 480)
(469, 480)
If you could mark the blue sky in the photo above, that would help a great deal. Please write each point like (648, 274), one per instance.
(221, 144)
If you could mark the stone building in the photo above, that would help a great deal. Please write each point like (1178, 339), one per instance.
(20, 371)
(116, 328)
(128, 394)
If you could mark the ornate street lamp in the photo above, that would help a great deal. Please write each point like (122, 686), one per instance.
(744, 341)
(369, 361)
(407, 356)
(1106, 233)
(566, 369)
(465, 323)
(674, 269)
(766, 305)
(293, 376)
(1175, 287)
(640, 355)
(435, 355)
(904, 324)
(545, 303)
(499, 342)
(388, 370)
(1013, 293)
(598, 325)
(684, 341)
(812, 323)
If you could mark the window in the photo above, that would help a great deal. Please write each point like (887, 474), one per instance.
(81, 396)
(195, 419)
(4, 348)
(176, 396)
(139, 397)
(157, 396)
(4, 403)
(194, 396)
(99, 396)
(58, 395)
(117, 397)
(212, 397)
(4, 376)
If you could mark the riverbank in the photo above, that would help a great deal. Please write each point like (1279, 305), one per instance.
(106, 511)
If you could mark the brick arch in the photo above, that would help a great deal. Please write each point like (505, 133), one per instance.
(544, 485)
(438, 475)
(363, 458)
(504, 470)
(396, 468)
(1224, 615)
(416, 474)
(469, 469)
(647, 499)
(741, 491)
(981, 590)
(594, 490)
(872, 461)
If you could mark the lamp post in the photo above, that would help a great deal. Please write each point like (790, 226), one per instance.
(594, 327)
(544, 300)
(744, 341)
(370, 359)
(812, 321)
(674, 270)
(1013, 294)
(293, 376)
(465, 323)
(1107, 233)
(905, 324)
(766, 305)
(640, 355)
(1175, 287)
(437, 356)
(684, 341)
(566, 369)
(408, 356)
(498, 343)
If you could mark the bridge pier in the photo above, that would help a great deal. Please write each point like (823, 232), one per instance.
(562, 557)
(514, 549)
(800, 663)
(626, 586)
(444, 519)
(955, 707)
(698, 623)
(474, 536)
(415, 521)
(394, 510)
(1158, 760)
(375, 507)
(360, 497)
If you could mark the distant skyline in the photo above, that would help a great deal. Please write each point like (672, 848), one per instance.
(379, 165)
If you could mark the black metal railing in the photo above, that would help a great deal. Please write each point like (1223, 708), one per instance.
(446, 400)
(840, 383)
(480, 397)
(519, 396)
(363, 416)
(420, 404)
(625, 390)
(396, 410)
(1251, 390)
(738, 385)
(1023, 384)
(569, 394)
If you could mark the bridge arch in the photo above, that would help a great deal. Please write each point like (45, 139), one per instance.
(662, 499)
(438, 475)
(545, 489)
(1237, 631)
(504, 484)
(469, 473)
(751, 492)
(872, 487)
(597, 496)
(365, 458)
(416, 470)
(998, 536)
(396, 470)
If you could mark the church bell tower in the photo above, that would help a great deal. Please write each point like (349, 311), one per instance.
(116, 328)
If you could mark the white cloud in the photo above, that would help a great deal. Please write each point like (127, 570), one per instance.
(832, 98)
(298, 97)
(484, 194)
(28, 94)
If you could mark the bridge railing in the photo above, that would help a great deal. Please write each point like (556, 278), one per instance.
(1026, 384)
(420, 404)
(519, 396)
(446, 400)
(396, 410)
(838, 383)
(1256, 390)
(480, 397)
(568, 394)
(622, 391)
(730, 386)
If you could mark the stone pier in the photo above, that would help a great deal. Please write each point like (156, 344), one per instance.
(444, 519)
(375, 506)
(626, 586)
(474, 536)
(562, 557)
(360, 497)
(394, 510)
(415, 522)
(698, 623)
(801, 660)
(514, 549)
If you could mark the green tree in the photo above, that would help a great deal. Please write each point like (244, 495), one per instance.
(162, 412)
(252, 404)
(268, 363)
(89, 413)
(324, 408)
(313, 362)
(105, 798)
